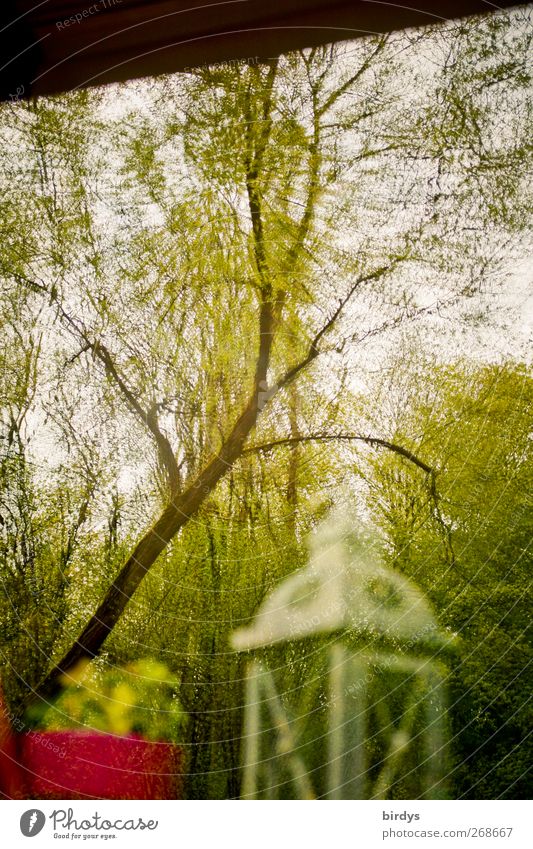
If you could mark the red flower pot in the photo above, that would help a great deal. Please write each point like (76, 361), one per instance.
(11, 775)
(91, 765)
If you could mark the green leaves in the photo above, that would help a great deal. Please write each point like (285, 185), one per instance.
(139, 698)
(359, 193)
(470, 549)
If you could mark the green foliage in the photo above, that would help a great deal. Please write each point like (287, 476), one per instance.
(139, 698)
(469, 547)
(142, 228)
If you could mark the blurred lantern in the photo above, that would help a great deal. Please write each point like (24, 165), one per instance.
(379, 717)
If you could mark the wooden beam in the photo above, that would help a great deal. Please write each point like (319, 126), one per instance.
(57, 45)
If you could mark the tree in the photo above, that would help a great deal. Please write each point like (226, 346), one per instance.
(244, 192)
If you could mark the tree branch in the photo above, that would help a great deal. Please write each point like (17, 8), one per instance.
(313, 351)
(255, 149)
(334, 96)
(346, 437)
(306, 220)
(167, 457)
(147, 417)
